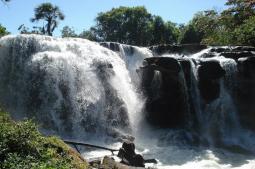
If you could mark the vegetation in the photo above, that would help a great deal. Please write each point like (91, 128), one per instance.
(68, 32)
(3, 31)
(130, 25)
(49, 13)
(135, 26)
(233, 26)
(22, 146)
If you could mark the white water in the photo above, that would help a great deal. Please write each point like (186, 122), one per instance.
(77, 89)
(73, 85)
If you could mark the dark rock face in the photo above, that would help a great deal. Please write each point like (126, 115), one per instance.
(181, 49)
(237, 55)
(116, 112)
(245, 93)
(232, 49)
(116, 47)
(164, 64)
(232, 52)
(111, 45)
(167, 98)
(209, 73)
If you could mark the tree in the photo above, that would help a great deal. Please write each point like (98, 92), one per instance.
(134, 26)
(158, 30)
(3, 31)
(25, 30)
(171, 33)
(125, 25)
(238, 11)
(245, 33)
(68, 32)
(238, 21)
(90, 34)
(49, 13)
(190, 35)
(209, 27)
(163, 32)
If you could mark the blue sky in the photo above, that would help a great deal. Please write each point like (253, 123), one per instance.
(80, 14)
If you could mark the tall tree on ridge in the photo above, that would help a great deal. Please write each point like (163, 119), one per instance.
(49, 13)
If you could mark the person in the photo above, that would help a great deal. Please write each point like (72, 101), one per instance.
(128, 155)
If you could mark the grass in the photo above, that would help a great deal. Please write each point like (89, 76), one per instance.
(22, 146)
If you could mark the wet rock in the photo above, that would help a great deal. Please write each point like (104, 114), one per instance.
(237, 55)
(232, 49)
(181, 49)
(209, 73)
(111, 45)
(164, 64)
(220, 49)
(110, 163)
(117, 47)
(244, 48)
(210, 69)
(116, 113)
(95, 163)
(164, 86)
(208, 55)
(186, 68)
(245, 92)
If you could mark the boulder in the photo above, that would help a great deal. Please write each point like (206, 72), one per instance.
(111, 45)
(167, 100)
(210, 69)
(209, 73)
(180, 49)
(118, 47)
(244, 48)
(245, 92)
(165, 64)
(110, 163)
(186, 68)
(232, 49)
(237, 55)
(220, 49)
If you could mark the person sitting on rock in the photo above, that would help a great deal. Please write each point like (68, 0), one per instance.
(128, 155)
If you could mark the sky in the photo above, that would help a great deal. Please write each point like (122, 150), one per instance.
(81, 14)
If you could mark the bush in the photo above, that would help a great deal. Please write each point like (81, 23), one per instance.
(22, 146)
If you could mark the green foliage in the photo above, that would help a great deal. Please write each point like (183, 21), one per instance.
(245, 33)
(25, 30)
(233, 26)
(132, 25)
(90, 34)
(190, 35)
(68, 32)
(125, 25)
(3, 31)
(22, 146)
(163, 32)
(49, 13)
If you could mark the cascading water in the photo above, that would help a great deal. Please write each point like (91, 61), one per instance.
(71, 86)
(80, 90)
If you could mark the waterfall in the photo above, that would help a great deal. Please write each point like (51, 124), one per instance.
(183, 107)
(70, 86)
